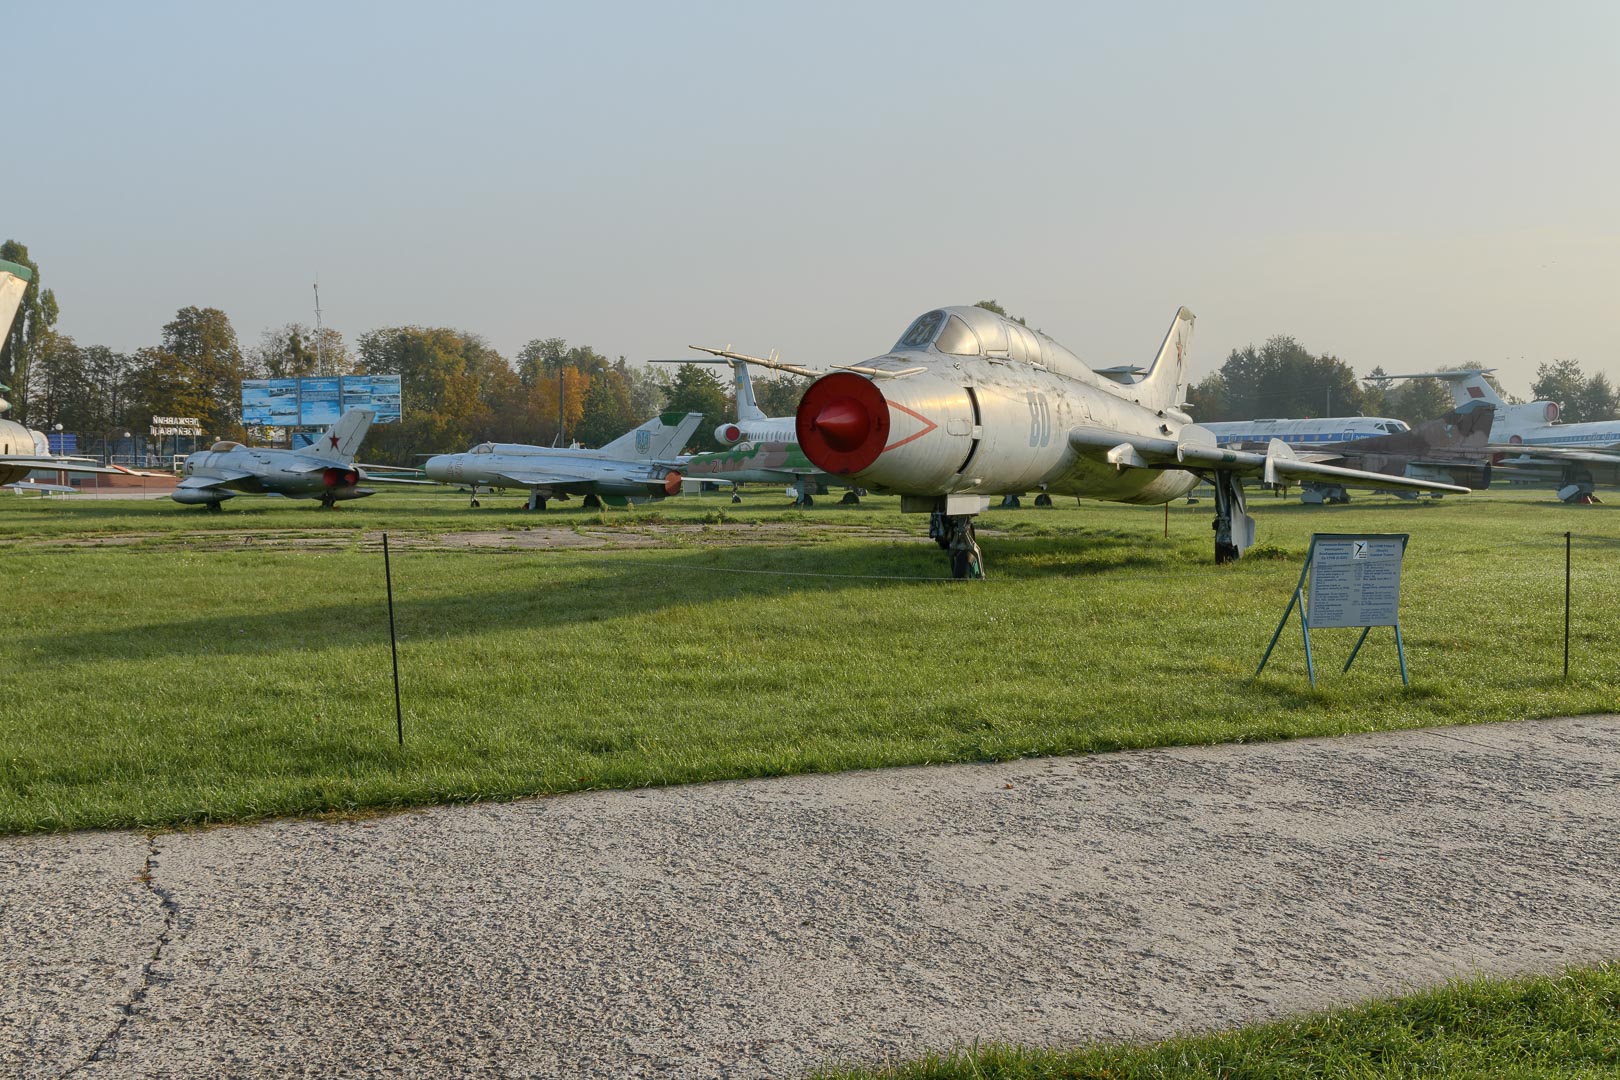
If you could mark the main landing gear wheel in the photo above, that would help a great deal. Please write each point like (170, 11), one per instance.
(850, 499)
(966, 559)
(328, 502)
(1043, 499)
(214, 507)
(936, 530)
(736, 498)
(593, 501)
(806, 502)
(1010, 502)
(473, 505)
(1234, 529)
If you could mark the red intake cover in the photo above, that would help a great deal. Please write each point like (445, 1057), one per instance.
(843, 423)
(672, 484)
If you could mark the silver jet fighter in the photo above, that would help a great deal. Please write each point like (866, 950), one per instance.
(969, 404)
(324, 470)
(625, 469)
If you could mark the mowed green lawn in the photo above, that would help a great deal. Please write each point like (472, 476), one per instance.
(160, 665)
(1565, 1026)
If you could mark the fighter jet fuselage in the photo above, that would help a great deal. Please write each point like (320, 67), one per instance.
(969, 404)
(271, 472)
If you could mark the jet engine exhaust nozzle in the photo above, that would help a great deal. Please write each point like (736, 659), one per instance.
(340, 478)
(672, 483)
(843, 423)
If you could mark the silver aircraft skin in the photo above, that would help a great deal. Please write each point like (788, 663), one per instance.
(22, 449)
(627, 468)
(324, 470)
(969, 404)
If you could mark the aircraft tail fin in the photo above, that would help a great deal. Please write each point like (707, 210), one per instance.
(660, 438)
(747, 407)
(1164, 386)
(342, 440)
(1467, 385)
(14, 281)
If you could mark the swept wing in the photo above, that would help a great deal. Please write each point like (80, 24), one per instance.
(1278, 464)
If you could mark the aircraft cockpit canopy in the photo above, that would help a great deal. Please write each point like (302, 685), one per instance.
(484, 448)
(225, 445)
(942, 329)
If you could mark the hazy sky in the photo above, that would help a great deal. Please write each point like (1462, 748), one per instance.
(1403, 184)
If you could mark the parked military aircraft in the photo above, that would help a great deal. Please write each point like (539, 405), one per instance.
(1529, 442)
(1449, 449)
(969, 404)
(626, 468)
(22, 449)
(324, 470)
(760, 449)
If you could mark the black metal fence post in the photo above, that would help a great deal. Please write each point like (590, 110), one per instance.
(393, 643)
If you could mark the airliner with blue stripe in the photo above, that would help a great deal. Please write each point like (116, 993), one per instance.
(1326, 431)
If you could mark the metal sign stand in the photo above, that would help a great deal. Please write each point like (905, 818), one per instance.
(1357, 584)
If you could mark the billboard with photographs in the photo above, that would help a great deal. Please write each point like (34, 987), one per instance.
(318, 402)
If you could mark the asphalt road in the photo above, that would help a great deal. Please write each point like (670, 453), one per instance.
(760, 928)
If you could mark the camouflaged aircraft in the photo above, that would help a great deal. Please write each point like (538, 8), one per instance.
(969, 404)
(760, 449)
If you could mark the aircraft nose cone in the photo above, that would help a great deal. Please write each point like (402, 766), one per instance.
(438, 468)
(843, 423)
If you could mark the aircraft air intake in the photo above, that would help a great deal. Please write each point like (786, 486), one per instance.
(843, 423)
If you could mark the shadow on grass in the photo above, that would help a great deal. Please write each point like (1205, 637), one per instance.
(551, 591)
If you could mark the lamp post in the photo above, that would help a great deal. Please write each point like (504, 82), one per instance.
(61, 477)
(131, 450)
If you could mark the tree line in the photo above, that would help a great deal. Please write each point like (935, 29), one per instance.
(1282, 379)
(456, 389)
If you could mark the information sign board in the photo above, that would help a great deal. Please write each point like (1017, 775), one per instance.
(1355, 580)
(318, 401)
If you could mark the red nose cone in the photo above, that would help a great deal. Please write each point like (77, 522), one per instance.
(843, 423)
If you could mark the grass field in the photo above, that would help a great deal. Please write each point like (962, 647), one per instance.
(1566, 1026)
(160, 665)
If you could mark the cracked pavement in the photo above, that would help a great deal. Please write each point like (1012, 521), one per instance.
(759, 928)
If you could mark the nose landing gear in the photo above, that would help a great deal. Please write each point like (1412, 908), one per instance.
(954, 533)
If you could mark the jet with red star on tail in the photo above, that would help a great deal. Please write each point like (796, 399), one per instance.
(969, 404)
(323, 470)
